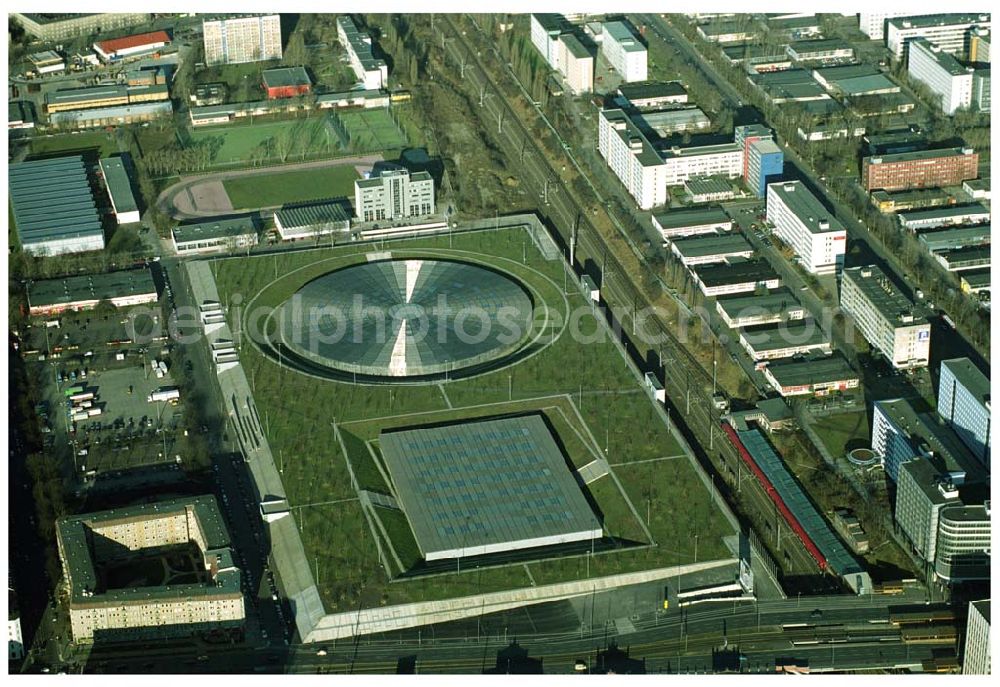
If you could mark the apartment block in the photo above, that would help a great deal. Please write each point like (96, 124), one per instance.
(394, 194)
(632, 158)
(578, 64)
(370, 70)
(964, 403)
(976, 655)
(919, 169)
(545, 32)
(624, 51)
(818, 238)
(950, 32)
(942, 74)
(885, 317)
(979, 45)
(682, 164)
(242, 39)
(921, 493)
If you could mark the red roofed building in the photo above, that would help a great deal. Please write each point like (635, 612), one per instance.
(130, 46)
(286, 82)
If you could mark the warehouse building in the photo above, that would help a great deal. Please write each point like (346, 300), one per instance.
(286, 82)
(312, 220)
(948, 31)
(942, 74)
(913, 200)
(130, 47)
(816, 377)
(801, 221)
(92, 544)
(727, 32)
(757, 58)
(20, 115)
(976, 654)
(51, 28)
(947, 216)
(885, 317)
(855, 80)
(952, 239)
(708, 190)
(103, 96)
(900, 434)
(111, 116)
(789, 85)
(215, 236)
(673, 121)
(372, 72)
(975, 281)
(632, 158)
(394, 194)
(962, 259)
(736, 277)
(54, 207)
(509, 489)
(238, 40)
(624, 51)
(677, 223)
(122, 289)
(919, 169)
(849, 527)
(47, 62)
(964, 403)
(776, 306)
(786, 340)
(681, 164)
(653, 94)
(820, 50)
(701, 250)
(119, 185)
(905, 141)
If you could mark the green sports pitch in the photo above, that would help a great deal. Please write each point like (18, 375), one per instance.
(652, 495)
(282, 188)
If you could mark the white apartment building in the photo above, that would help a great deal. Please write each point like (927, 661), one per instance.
(885, 317)
(624, 51)
(872, 24)
(964, 403)
(545, 32)
(394, 194)
(371, 71)
(632, 158)
(800, 220)
(976, 656)
(578, 64)
(948, 31)
(941, 73)
(683, 164)
(242, 39)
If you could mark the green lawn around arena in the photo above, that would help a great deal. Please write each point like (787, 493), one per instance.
(75, 143)
(282, 188)
(583, 372)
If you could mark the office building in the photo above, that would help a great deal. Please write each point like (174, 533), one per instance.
(624, 51)
(131, 47)
(963, 547)
(976, 654)
(785, 340)
(51, 28)
(708, 190)
(93, 544)
(801, 221)
(311, 220)
(676, 223)
(817, 377)
(949, 32)
(776, 306)
(745, 136)
(286, 82)
(632, 158)
(394, 194)
(653, 94)
(371, 71)
(979, 45)
(215, 236)
(885, 317)
(123, 289)
(765, 163)
(119, 185)
(242, 39)
(919, 169)
(681, 164)
(578, 64)
(942, 74)
(981, 90)
(964, 403)
(826, 50)
(737, 277)
(54, 207)
(921, 493)
(701, 250)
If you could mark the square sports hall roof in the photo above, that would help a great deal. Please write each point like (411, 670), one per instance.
(474, 488)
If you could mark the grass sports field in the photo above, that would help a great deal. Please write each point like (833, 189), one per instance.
(76, 143)
(574, 374)
(291, 187)
(301, 138)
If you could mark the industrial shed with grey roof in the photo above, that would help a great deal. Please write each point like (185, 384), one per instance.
(311, 220)
(489, 486)
(54, 207)
(119, 185)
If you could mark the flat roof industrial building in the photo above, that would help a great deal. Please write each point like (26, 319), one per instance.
(311, 220)
(706, 248)
(778, 305)
(707, 220)
(819, 375)
(215, 235)
(119, 185)
(54, 207)
(784, 340)
(735, 277)
(122, 289)
(488, 486)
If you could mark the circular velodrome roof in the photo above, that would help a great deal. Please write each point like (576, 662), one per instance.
(407, 318)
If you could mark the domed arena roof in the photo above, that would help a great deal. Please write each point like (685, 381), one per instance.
(407, 318)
